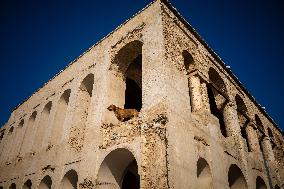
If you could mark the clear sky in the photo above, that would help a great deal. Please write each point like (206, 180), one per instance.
(38, 38)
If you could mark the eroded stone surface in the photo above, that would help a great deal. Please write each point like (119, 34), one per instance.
(191, 132)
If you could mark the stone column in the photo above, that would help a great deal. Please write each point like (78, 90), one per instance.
(252, 138)
(195, 92)
(267, 149)
(231, 119)
(205, 99)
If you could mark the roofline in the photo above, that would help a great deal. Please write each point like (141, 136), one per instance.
(219, 60)
(178, 15)
(72, 62)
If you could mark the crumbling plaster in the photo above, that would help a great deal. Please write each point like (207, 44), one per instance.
(166, 139)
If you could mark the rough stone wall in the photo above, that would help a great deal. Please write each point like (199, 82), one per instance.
(65, 131)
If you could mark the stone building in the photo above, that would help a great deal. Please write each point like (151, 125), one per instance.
(197, 127)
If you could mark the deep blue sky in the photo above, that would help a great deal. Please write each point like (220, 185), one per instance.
(38, 38)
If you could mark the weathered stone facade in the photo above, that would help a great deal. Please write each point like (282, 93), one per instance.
(198, 127)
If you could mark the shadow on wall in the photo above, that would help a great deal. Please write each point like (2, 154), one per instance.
(119, 169)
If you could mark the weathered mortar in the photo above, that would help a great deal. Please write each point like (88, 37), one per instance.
(175, 129)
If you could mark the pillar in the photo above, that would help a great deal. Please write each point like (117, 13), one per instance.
(267, 149)
(205, 99)
(252, 138)
(231, 119)
(195, 92)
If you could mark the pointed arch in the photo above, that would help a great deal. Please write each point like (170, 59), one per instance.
(60, 116)
(42, 126)
(258, 122)
(204, 176)
(13, 186)
(236, 178)
(188, 61)
(126, 69)
(27, 140)
(243, 118)
(45, 183)
(11, 130)
(216, 89)
(120, 169)
(80, 118)
(28, 184)
(70, 180)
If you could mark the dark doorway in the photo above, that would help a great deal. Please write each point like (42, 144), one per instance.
(131, 179)
(133, 95)
(215, 111)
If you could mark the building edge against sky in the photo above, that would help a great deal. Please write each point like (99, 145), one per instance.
(207, 107)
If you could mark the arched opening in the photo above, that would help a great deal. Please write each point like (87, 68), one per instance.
(243, 118)
(60, 116)
(188, 61)
(21, 124)
(11, 130)
(277, 187)
(1, 135)
(45, 183)
(259, 123)
(42, 126)
(120, 170)
(204, 177)
(217, 97)
(270, 134)
(69, 180)
(19, 136)
(25, 147)
(133, 95)
(127, 67)
(83, 101)
(236, 178)
(13, 186)
(28, 184)
(260, 184)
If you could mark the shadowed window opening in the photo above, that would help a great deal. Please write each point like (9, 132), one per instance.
(2, 135)
(133, 80)
(243, 118)
(28, 184)
(188, 61)
(119, 169)
(244, 135)
(11, 130)
(260, 184)
(13, 186)
(271, 137)
(131, 179)
(259, 123)
(204, 177)
(126, 69)
(236, 178)
(133, 95)
(276, 187)
(21, 124)
(69, 180)
(215, 111)
(45, 183)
